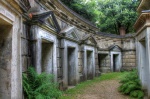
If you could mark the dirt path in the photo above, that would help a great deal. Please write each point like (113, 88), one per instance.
(103, 90)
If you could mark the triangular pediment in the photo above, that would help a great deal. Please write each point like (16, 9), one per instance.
(48, 18)
(71, 33)
(89, 39)
(25, 5)
(115, 48)
(50, 22)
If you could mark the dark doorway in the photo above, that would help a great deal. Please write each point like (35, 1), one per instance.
(47, 57)
(71, 67)
(5, 59)
(115, 62)
(89, 65)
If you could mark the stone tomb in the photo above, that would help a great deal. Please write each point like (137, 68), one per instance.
(88, 57)
(70, 57)
(44, 51)
(143, 59)
(88, 62)
(116, 58)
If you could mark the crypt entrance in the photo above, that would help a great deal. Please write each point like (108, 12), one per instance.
(69, 54)
(5, 58)
(47, 57)
(115, 58)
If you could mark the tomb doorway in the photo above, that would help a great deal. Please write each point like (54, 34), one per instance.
(115, 62)
(47, 57)
(71, 67)
(89, 64)
(5, 59)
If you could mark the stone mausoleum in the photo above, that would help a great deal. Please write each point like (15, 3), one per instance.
(142, 37)
(54, 39)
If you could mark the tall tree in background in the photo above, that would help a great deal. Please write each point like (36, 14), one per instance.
(116, 14)
(109, 15)
(88, 10)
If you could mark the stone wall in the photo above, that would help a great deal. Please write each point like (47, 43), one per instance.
(129, 60)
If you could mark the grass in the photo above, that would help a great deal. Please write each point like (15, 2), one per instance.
(71, 93)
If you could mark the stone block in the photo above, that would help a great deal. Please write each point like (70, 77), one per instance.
(24, 63)
(24, 46)
(59, 72)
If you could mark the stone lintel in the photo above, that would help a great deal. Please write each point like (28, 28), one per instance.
(144, 5)
(142, 22)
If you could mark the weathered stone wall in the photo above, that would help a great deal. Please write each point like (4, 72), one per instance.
(25, 46)
(10, 51)
(104, 62)
(129, 60)
(5, 63)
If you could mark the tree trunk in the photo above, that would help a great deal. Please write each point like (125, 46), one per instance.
(122, 31)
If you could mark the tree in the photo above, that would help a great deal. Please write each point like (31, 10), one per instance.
(87, 10)
(108, 15)
(116, 14)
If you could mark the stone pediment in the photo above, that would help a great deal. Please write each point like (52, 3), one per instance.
(25, 4)
(89, 39)
(115, 48)
(71, 33)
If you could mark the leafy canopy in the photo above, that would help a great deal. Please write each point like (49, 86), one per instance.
(109, 15)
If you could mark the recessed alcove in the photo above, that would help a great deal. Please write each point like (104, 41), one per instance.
(89, 64)
(47, 57)
(115, 62)
(5, 58)
(71, 67)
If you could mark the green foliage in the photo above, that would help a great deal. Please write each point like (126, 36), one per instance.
(87, 10)
(116, 14)
(109, 15)
(130, 85)
(39, 86)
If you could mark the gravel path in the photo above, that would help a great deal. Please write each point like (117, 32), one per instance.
(103, 90)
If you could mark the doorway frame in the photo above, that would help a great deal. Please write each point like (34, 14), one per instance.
(86, 48)
(65, 44)
(38, 34)
(120, 60)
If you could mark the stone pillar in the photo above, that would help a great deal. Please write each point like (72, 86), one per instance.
(148, 56)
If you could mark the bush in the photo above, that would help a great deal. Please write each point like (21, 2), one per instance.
(130, 85)
(39, 86)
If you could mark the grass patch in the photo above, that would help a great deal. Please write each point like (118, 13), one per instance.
(79, 89)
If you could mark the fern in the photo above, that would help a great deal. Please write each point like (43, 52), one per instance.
(130, 85)
(39, 86)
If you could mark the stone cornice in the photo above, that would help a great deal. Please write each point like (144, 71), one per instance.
(144, 5)
(70, 16)
(142, 22)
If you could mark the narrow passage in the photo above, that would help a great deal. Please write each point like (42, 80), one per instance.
(103, 87)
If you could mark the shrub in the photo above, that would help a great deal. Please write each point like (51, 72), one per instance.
(39, 86)
(130, 85)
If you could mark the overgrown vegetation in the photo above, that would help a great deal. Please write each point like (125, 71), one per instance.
(39, 86)
(130, 85)
(108, 15)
